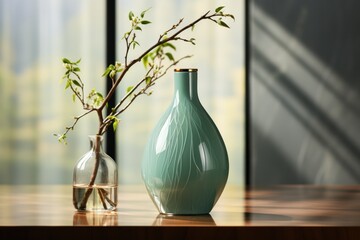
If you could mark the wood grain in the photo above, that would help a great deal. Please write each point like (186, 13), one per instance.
(296, 212)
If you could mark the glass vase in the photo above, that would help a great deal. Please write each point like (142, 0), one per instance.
(95, 179)
(185, 165)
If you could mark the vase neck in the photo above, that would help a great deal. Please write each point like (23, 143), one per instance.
(186, 84)
(96, 143)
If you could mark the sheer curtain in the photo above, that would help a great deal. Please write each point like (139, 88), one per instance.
(218, 54)
(34, 36)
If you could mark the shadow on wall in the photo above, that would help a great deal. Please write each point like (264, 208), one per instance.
(305, 116)
(277, 169)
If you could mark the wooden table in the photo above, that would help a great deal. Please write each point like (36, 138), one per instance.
(282, 212)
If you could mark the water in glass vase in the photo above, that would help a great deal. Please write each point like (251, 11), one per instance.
(95, 198)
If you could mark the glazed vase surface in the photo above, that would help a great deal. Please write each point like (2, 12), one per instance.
(185, 165)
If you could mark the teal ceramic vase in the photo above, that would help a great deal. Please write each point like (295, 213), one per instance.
(185, 165)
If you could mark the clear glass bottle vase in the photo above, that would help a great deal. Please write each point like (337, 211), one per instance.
(95, 179)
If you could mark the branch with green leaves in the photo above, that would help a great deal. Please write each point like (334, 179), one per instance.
(157, 60)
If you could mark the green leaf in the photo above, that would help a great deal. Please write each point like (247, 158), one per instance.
(218, 9)
(74, 97)
(134, 44)
(170, 56)
(107, 71)
(169, 45)
(126, 35)
(138, 28)
(61, 138)
(193, 27)
(232, 16)
(148, 80)
(143, 12)
(128, 89)
(76, 69)
(65, 60)
(145, 60)
(115, 123)
(112, 73)
(158, 50)
(223, 24)
(68, 83)
(76, 83)
(96, 97)
(131, 15)
(117, 65)
(144, 22)
(68, 66)
(78, 61)
(99, 95)
(91, 94)
(66, 75)
(192, 40)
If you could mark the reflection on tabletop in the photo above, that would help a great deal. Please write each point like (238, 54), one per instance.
(176, 220)
(95, 219)
(112, 219)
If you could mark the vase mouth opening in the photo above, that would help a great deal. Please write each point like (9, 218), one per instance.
(185, 70)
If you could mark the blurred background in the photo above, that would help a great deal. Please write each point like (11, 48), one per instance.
(36, 34)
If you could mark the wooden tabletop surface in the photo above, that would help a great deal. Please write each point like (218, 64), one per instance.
(280, 206)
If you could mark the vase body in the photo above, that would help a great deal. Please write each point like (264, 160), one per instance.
(185, 165)
(95, 179)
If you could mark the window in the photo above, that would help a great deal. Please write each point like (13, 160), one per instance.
(35, 34)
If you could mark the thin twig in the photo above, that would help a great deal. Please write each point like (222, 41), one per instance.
(105, 194)
(102, 198)
(76, 120)
(89, 190)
